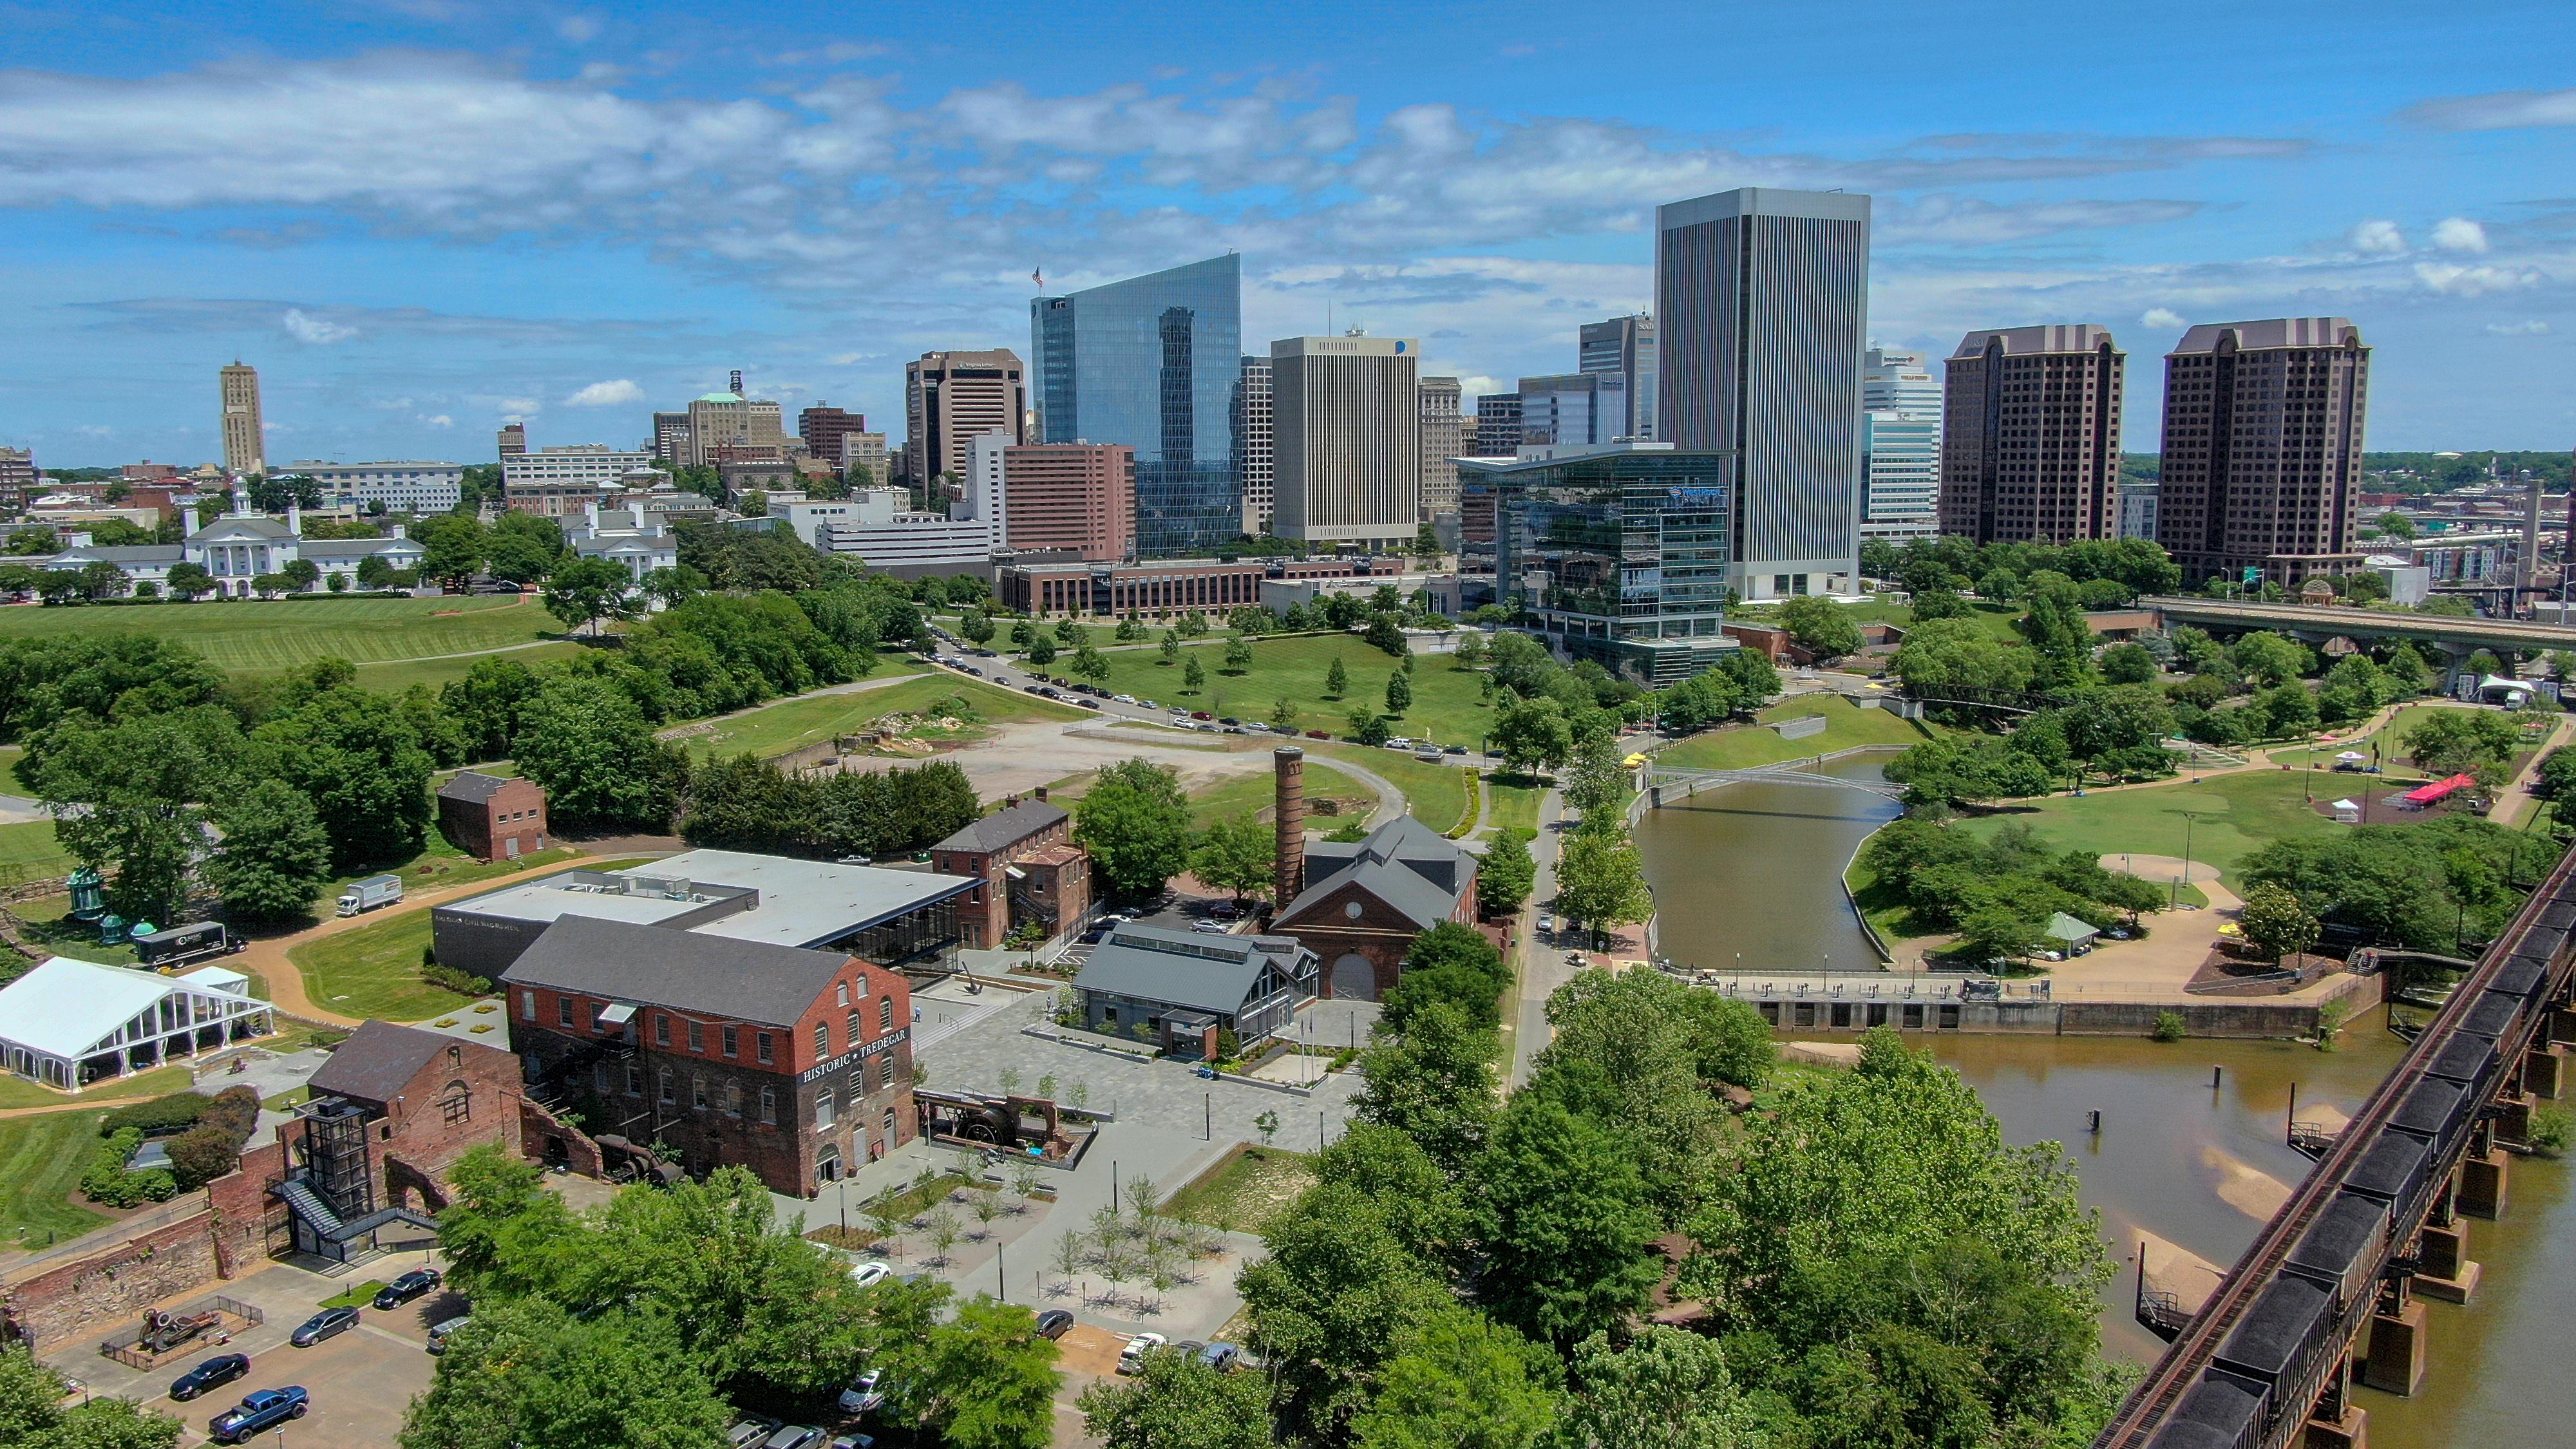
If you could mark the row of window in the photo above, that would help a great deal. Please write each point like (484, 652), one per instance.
(764, 1043)
(726, 1097)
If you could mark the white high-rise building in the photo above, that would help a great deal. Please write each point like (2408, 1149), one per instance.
(1901, 475)
(1896, 381)
(1349, 421)
(1256, 438)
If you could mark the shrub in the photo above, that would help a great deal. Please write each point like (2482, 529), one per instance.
(450, 978)
(107, 1182)
(2169, 1026)
(2551, 1130)
(159, 1117)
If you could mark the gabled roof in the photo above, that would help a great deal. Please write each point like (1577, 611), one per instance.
(64, 1007)
(1205, 972)
(1404, 863)
(239, 530)
(472, 785)
(684, 970)
(1005, 828)
(378, 1060)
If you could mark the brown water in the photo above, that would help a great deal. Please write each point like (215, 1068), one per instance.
(1756, 869)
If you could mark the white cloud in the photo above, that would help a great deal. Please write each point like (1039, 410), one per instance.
(2533, 328)
(2458, 281)
(579, 29)
(2459, 234)
(2497, 111)
(94, 430)
(1967, 221)
(515, 408)
(606, 394)
(2378, 239)
(2162, 317)
(437, 420)
(314, 331)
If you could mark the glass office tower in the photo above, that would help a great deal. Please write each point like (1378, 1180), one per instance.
(1617, 552)
(1152, 363)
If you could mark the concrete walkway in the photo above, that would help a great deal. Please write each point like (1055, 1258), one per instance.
(1543, 968)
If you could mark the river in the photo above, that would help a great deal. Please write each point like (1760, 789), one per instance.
(1756, 870)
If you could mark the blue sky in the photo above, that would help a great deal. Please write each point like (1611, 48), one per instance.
(419, 217)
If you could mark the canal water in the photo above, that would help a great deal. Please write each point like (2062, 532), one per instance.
(1757, 869)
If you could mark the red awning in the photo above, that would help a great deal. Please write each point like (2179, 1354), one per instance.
(2427, 794)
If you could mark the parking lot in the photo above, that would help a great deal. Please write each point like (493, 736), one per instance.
(360, 1380)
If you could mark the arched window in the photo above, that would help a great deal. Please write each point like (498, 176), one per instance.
(885, 1013)
(822, 1039)
(827, 1109)
(854, 1028)
(456, 1103)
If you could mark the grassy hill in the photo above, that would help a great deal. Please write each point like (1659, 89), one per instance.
(253, 637)
(1446, 703)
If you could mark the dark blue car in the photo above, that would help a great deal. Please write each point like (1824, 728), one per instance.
(259, 1409)
(214, 1373)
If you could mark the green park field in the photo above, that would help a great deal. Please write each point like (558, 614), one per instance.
(1742, 747)
(2229, 817)
(41, 1160)
(252, 637)
(793, 723)
(1446, 699)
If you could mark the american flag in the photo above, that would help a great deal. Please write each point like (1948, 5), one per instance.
(1037, 277)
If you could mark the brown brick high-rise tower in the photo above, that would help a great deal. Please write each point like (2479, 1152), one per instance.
(1288, 764)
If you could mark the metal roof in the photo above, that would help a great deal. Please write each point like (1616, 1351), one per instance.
(472, 785)
(1193, 969)
(1404, 863)
(1003, 828)
(802, 902)
(378, 1060)
(684, 970)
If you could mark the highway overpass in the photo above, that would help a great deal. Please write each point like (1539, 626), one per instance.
(2453, 636)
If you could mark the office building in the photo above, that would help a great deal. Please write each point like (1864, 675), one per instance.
(1574, 409)
(567, 478)
(1624, 347)
(2030, 438)
(670, 438)
(402, 487)
(729, 425)
(1443, 439)
(245, 441)
(2138, 511)
(1762, 311)
(1901, 475)
(1042, 497)
(1893, 380)
(949, 397)
(1152, 363)
(1255, 442)
(864, 451)
(873, 526)
(1498, 425)
(822, 429)
(512, 438)
(2262, 448)
(17, 476)
(1160, 587)
(1619, 552)
(1349, 422)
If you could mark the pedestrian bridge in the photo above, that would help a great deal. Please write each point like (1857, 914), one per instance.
(1658, 781)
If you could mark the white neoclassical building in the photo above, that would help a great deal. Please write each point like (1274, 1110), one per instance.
(239, 547)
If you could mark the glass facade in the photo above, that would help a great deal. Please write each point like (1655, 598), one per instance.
(1617, 553)
(1152, 363)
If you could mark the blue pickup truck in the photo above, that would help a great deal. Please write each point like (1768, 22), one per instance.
(259, 1409)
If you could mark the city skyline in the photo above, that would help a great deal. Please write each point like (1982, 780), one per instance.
(188, 186)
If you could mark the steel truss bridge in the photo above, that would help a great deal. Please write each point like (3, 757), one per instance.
(1657, 778)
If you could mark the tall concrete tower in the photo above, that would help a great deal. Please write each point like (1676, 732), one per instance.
(245, 448)
(1288, 764)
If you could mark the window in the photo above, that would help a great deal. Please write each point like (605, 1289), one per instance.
(599, 1074)
(698, 1093)
(854, 1028)
(668, 1095)
(733, 1099)
(822, 1040)
(826, 1110)
(527, 1006)
(730, 1033)
(889, 1124)
(697, 1036)
(841, 994)
(563, 1011)
(761, 1041)
(885, 1014)
(661, 1029)
(634, 1080)
(456, 1104)
(769, 1105)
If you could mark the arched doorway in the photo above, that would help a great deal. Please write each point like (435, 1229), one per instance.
(827, 1165)
(1354, 978)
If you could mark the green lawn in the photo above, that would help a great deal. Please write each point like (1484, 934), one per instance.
(49, 925)
(1742, 747)
(1439, 794)
(397, 676)
(1246, 795)
(374, 970)
(794, 723)
(254, 637)
(30, 852)
(19, 1092)
(2229, 816)
(1245, 1191)
(1445, 698)
(41, 1160)
(1514, 806)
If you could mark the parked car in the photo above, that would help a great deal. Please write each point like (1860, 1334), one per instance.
(749, 1430)
(1088, 703)
(868, 1275)
(258, 1410)
(1123, 698)
(1225, 910)
(445, 1329)
(1132, 1357)
(793, 1436)
(1220, 1356)
(1053, 1323)
(214, 1373)
(1319, 734)
(1201, 714)
(863, 1395)
(1455, 750)
(407, 1287)
(855, 860)
(1229, 720)
(1147, 704)
(1208, 926)
(852, 1441)
(328, 1323)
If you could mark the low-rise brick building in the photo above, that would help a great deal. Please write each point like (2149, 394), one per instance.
(492, 817)
(796, 1064)
(1029, 868)
(1358, 906)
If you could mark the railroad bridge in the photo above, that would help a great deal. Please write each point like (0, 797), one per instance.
(2381, 1221)
(1661, 782)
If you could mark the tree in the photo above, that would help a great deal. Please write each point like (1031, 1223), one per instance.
(1384, 632)
(128, 798)
(975, 627)
(1042, 651)
(987, 1380)
(1337, 679)
(587, 590)
(361, 763)
(275, 855)
(1235, 855)
(1135, 821)
(1697, 703)
(1999, 931)
(1091, 664)
(2275, 922)
(1565, 1222)
(1599, 880)
(2128, 663)
(1368, 727)
(1458, 1381)
(1399, 694)
(1193, 625)
(452, 549)
(1170, 648)
(488, 705)
(1238, 654)
(1820, 626)
(1598, 781)
(528, 1372)
(1470, 653)
(1960, 652)
(1668, 1389)
(2462, 741)
(2395, 524)
(1193, 677)
(1070, 634)
(1177, 1402)
(1533, 734)
(1435, 1083)
(2060, 640)
(1328, 1302)
(1283, 714)
(675, 585)
(590, 747)
(2270, 659)
(32, 1415)
(1454, 964)
(1505, 877)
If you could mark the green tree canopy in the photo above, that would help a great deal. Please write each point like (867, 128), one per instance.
(1237, 855)
(275, 855)
(586, 590)
(1460, 1381)
(129, 798)
(1176, 1402)
(2275, 922)
(1820, 626)
(1567, 1229)
(354, 755)
(1135, 821)
(589, 746)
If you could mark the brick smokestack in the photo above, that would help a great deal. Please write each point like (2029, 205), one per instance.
(2529, 573)
(1288, 765)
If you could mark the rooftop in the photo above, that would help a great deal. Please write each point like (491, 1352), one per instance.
(1186, 968)
(377, 1061)
(1404, 863)
(472, 785)
(1005, 828)
(797, 902)
(65, 1007)
(684, 970)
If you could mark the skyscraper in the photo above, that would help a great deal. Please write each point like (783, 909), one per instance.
(1762, 309)
(1893, 380)
(1350, 438)
(1901, 475)
(729, 427)
(949, 397)
(1626, 346)
(2262, 448)
(2030, 437)
(512, 439)
(1574, 409)
(1443, 439)
(245, 444)
(1255, 461)
(1153, 362)
(1498, 425)
(822, 428)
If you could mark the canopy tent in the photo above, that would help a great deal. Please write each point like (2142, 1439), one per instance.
(2347, 812)
(2434, 793)
(2070, 929)
(68, 1022)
